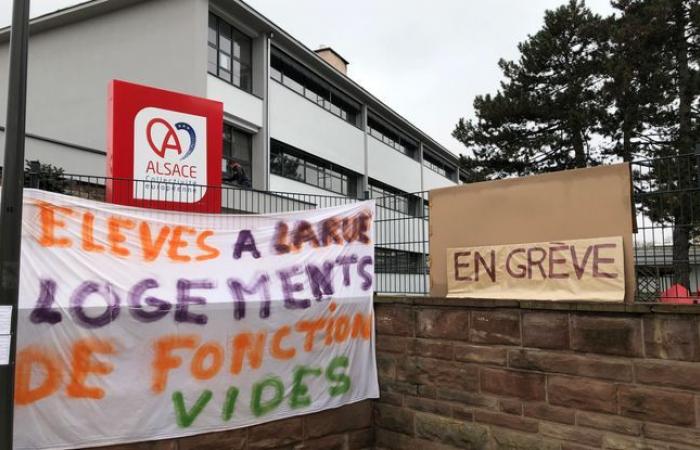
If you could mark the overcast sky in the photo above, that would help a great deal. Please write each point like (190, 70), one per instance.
(426, 59)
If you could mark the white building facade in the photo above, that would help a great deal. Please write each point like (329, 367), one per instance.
(293, 119)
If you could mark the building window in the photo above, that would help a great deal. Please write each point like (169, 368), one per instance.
(229, 53)
(392, 138)
(438, 167)
(390, 198)
(237, 147)
(292, 163)
(298, 79)
(397, 261)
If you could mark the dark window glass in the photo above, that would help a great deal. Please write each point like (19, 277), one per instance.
(437, 167)
(291, 163)
(389, 198)
(238, 147)
(229, 56)
(397, 261)
(392, 138)
(302, 81)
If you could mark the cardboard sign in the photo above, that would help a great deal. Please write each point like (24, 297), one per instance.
(553, 207)
(140, 324)
(582, 269)
(164, 149)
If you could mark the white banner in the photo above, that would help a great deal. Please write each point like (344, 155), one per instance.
(140, 324)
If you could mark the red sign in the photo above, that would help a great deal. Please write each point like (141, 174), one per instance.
(163, 149)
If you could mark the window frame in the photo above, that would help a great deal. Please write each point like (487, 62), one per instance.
(307, 84)
(247, 165)
(326, 173)
(234, 36)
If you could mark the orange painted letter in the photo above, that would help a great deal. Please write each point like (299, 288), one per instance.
(49, 223)
(152, 249)
(163, 361)
(27, 360)
(244, 343)
(276, 349)
(83, 365)
(209, 251)
(115, 235)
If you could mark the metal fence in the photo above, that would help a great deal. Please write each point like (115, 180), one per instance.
(401, 225)
(667, 212)
(666, 193)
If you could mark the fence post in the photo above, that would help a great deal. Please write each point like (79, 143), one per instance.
(697, 164)
(11, 207)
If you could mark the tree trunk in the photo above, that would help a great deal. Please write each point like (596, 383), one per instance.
(579, 151)
(681, 250)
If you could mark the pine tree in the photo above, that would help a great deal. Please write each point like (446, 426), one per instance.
(543, 117)
(671, 38)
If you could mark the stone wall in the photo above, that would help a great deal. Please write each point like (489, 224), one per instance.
(526, 375)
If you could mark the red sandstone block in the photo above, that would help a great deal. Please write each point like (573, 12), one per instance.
(570, 446)
(391, 398)
(391, 344)
(398, 387)
(355, 416)
(672, 337)
(568, 433)
(386, 365)
(541, 410)
(463, 413)
(683, 435)
(430, 348)
(590, 366)
(511, 406)
(495, 327)
(681, 375)
(396, 441)
(657, 405)
(394, 320)
(450, 431)
(443, 324)
(526, 386)
(481, 354)
(275, 434)
(164, 444)
(234, 440)
(394, 418)
(609, 422)
(506, 420)
(439, 373)
(332, 442)
(610, 335)
(428, 405)
(361, 439)
(582, 393)
(468, 398)
(546, 330)
(618, 442)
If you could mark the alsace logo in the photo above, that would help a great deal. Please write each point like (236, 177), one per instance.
(170, 140)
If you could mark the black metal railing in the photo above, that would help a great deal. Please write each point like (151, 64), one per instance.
(666, 193)
(666, 242)
(401, 233)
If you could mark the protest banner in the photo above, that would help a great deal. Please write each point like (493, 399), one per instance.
(577, 269)
(144, 324)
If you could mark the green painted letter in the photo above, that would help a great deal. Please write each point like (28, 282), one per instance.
(341, 379)
(230, 403)
(186, 418)
(261, 407)
(300, 391)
